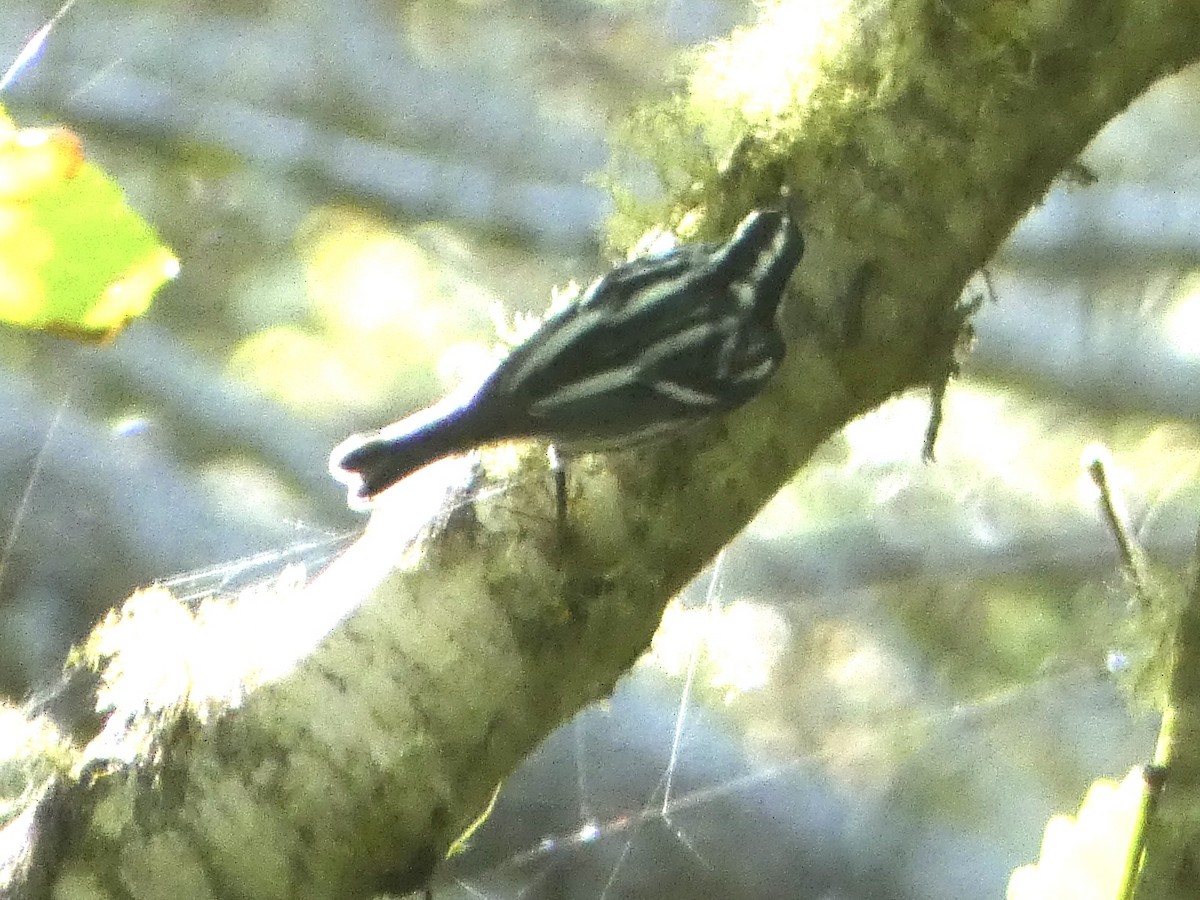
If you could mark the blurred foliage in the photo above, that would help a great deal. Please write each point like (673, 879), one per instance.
(807, 677)
(390, 318)
(74, 259)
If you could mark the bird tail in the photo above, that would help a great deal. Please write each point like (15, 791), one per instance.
(369, 464)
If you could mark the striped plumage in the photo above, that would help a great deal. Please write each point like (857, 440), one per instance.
(656, 343)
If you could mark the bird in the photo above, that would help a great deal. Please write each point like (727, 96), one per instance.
(655, 344)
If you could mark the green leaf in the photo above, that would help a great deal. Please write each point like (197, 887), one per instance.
(74, 258)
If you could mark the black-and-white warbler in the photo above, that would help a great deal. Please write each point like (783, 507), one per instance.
(656, 343)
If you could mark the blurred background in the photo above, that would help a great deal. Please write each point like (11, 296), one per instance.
(882, 690)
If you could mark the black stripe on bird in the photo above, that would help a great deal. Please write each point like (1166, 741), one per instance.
(655, 344)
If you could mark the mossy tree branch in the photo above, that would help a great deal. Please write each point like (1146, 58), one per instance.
(914, 134)
(1172, 839)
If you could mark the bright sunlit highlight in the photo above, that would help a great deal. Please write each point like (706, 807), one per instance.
(1084, 856)
(1121, 481)
(159, 652)
(741, 642)
(386, 305)
(773, 68)
(1182, 323)
(1093, 454)
(467, 362)
(363, 276)
(890, 434)
(131, 426)
(130, 295)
